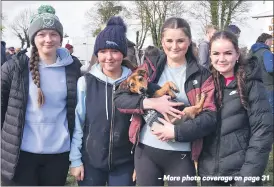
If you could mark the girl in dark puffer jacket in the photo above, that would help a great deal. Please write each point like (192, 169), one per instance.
(240, 147)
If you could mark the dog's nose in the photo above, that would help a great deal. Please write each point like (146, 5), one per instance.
(143, 90)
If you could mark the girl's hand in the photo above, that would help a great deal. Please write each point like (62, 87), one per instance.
(164, 106)
(134, 176)
(163, 132)
(78, 172)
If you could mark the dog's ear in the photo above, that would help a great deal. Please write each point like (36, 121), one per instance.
(141, 72)
(124, 85)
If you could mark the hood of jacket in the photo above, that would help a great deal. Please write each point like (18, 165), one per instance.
(253, 71)
(63, 59)
(96, 70)
(255, 47)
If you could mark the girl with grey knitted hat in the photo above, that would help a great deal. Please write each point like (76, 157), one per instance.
(38, 103)
(100, 150)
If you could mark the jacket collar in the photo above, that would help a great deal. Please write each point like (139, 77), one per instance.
(159, 63)
(21, 60)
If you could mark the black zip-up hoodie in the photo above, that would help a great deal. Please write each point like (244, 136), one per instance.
(105, 143)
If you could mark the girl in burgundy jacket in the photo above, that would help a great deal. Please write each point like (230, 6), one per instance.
(155, 155)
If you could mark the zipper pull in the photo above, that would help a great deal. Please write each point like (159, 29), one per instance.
(131, 152)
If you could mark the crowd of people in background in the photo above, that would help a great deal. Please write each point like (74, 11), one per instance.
(55, 118)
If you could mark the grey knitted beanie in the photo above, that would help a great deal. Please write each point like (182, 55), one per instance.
(45, 19)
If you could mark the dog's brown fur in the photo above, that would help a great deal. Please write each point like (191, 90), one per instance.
(138, 83)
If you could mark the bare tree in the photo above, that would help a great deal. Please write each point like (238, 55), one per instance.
(220, 13)
(20, 25)
(139, 13)
(152, 15)
(96, 18)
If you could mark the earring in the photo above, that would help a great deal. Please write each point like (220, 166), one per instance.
(237, 61)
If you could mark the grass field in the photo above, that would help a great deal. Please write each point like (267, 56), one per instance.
(268, 172)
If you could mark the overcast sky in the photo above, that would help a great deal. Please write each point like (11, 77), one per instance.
(72, 16)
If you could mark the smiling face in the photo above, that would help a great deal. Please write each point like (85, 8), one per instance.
(47, 41)
(175, 44)
(110, 60)
(224, 56)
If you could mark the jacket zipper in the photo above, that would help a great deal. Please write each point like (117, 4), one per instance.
(23, 121)
(111, 129)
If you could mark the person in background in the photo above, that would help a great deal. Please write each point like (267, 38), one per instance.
(203, 49)
(3, 52)
(38, 100)
(75, 59)
(242, 142)
(100, 150)
(17, 50)
(11, 51)
(261, 49)
(234, 29)
(195, 50)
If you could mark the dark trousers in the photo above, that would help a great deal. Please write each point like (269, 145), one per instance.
(217, 183)
(119, 176)
(151, 164)
(41, 169)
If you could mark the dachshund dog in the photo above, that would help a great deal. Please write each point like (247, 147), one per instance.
(138, 83)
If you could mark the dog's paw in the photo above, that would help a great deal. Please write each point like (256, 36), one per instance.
(172, 95)
(173, 87)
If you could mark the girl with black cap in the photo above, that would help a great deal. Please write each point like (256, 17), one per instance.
(100, 149)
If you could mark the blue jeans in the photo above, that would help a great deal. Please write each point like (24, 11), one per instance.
(119, 176)
(270, 99)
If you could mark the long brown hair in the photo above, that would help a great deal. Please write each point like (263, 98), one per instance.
(34, 69)
(239, 70)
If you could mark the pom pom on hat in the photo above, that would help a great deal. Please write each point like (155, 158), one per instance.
(112, 37)
(117, 21)
(46, 9)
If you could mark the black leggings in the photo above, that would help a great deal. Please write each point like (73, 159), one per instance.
(152, 165)
(41, 169)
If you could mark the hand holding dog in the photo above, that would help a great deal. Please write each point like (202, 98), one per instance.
(77, 172)
(164, 132)
(164, 106)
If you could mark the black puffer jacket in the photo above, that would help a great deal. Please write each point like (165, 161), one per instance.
(3, 52)
(242, 142)
(14, 95)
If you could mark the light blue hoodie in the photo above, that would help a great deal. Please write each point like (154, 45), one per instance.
(46, 128)
(80, 111)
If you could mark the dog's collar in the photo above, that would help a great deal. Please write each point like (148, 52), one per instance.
(145, 95)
